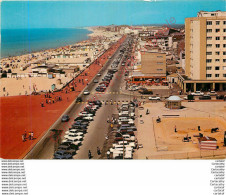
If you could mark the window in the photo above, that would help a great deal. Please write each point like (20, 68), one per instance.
(224, 60)
(159, 62)
(159, 56)
(217, 22)
(217, 53)
(217, 75)
(209, 68)
(217, 45)
(224, 29)
(224, 45)
(208, 53)
(208, 75)
(224, 22)
(208, 30)
(217, 30)
(224, 75)
(159, 69)
(224, 38)
(217, 38)
(209, 45)
(217, 60)
(208, 60)
(224, 67)
(217, 68)
(224, 52)
(208, 38)
(209, 23)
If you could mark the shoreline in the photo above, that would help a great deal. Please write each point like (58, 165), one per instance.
(89, 35)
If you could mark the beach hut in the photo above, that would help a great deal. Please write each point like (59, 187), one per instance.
(173, 102)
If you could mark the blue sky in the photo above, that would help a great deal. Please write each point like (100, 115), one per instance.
(69, 14)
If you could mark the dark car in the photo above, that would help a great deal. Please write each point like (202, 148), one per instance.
(81, 122)
(62, 155)
(79, 118)
(76, 126)
(65, 118)
(100, 89)
(205, 97)
(220, 97)
(79, 99)
(67, 148)
(70, 144)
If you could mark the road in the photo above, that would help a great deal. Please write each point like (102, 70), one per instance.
(97, 129)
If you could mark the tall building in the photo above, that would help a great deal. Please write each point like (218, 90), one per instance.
(205, 51)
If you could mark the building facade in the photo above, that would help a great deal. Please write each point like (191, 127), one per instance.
(205, 50)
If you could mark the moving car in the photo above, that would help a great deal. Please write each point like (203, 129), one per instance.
(86, 92)
(65, 118)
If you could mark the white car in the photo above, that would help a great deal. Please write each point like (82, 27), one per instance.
(73, 139)
(71, 131)
(197, 93)
(98, 74)
(154, 98)
(71, 136)
(212, 93)
(86, 92)
(86, 114)
(90, 118)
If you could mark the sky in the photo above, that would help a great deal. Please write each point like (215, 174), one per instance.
(72, 14)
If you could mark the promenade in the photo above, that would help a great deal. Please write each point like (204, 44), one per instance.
(24, 113)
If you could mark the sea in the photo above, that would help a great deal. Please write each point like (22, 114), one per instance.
(15, 42)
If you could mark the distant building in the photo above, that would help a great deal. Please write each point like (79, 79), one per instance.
(153, 68)
(205, 52)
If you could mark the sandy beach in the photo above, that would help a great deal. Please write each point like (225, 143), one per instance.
(78, 54)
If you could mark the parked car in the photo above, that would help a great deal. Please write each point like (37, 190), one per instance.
(154, 98)
(212, 93)
(205, 97)
(62, 155)
(86, 92)
(95, 81)
(98, 74)
(65, 118)
(197, 93)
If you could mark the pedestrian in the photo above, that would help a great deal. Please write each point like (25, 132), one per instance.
(23, 138)
(25, 135)
(47, 101)
(108, 154)
(29, 135)
(175, 128)
(32, 135)
(98, 151)
(42, 104)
